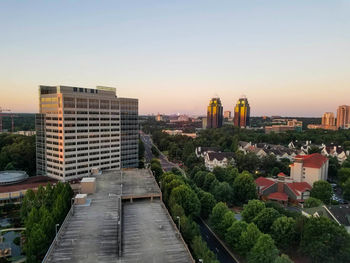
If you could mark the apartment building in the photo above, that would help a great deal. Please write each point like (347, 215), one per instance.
(343, 117)
(81, 130)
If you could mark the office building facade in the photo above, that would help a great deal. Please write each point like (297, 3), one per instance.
(81, 130)
(242, 113)
(215, 113)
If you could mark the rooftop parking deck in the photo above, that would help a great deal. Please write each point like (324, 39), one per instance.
(93, 233)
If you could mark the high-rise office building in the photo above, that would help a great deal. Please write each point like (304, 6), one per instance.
(129, 132)
(328, 119)
(214, 113)
(82, 130)
(343, 116)
(242, 113)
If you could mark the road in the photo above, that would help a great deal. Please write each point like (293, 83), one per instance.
(166, 164)
(221, 253)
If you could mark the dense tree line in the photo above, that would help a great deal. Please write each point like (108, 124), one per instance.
(23, 122)
(17, 152)
(268, 230)
(40, 212)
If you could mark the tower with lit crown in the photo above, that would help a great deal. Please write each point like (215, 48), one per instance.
(242, 113)
(214, 113)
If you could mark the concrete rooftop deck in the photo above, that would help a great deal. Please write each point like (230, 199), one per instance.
(149, 235)
(91, 234)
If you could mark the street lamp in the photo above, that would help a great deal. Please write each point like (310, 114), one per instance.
(56, 231)
(178, 223)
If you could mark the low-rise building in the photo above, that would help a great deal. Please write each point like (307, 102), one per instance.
(309, 168)
(218, 159)
(282, 189)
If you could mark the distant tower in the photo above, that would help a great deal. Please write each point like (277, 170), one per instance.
(214, 113)
(343, 116)
(242, 113)
(328, 119)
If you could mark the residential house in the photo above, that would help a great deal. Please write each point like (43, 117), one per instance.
(335, 151)
(201, 151)
(338, 213)
(221, 159)
(243, 146)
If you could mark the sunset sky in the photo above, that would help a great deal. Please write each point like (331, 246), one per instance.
(290, 58)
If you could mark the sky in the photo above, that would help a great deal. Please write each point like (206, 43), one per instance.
(290, 58)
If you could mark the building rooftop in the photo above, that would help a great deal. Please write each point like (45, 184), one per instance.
(12, 177)
(31, 182)
(315, 160)
(264, 182)
(93, 233)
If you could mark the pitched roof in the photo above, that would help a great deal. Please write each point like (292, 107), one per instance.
(341, 213)
(299, 187)
(220, 156)
(314, 160)
(264, 182)
(243, 143)
(207, 149)
(281, 174)
(278, 196)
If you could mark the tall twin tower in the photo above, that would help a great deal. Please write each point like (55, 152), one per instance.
(215, 113)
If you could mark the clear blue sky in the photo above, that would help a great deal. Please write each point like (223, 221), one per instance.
(288, 57)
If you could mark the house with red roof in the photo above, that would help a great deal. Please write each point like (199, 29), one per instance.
(282, 189)
(309, 168)
(305, 170)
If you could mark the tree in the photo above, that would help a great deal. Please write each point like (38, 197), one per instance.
(226, 222)
(283, 259)
(312, 202)
(208, 182)
(217, 214)
(244, 188)
(234, 232)
(247, 162)
(201, 250)
(207, 203)
(189, 228)
(346, 189)
(199, 178)
(264, 251)
(220, 173)
(223, 192)
(283, 232)
(343, 175)
(252, 209)
(322, 190)
(157, 170)
(248, 238)
(9, 167)
(187, 198)
(265, 219)
(325, 241)
(333, 167)
(35, 246)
